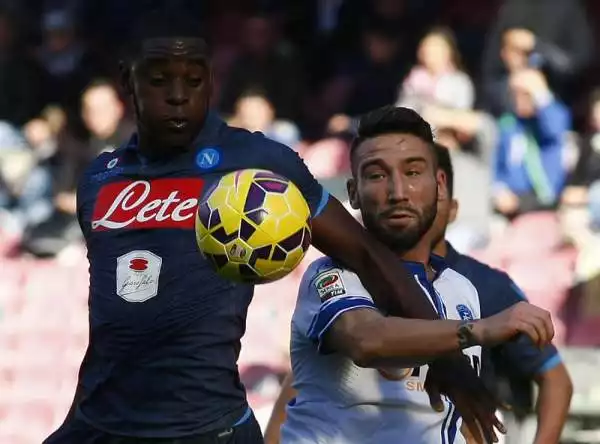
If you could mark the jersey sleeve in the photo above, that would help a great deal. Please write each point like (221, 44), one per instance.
(521, 353)
(284, 161)
(327, 291)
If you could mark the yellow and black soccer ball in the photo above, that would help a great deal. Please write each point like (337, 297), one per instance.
(253, 226)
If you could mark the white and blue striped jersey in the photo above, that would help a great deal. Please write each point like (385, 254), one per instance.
(341, 403)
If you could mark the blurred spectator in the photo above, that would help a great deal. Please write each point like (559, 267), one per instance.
(104, 117)
(367, 81)
(25, 183)
(354, 17)
(20, 78)
(377, 71)
(266, 63)
(515, 53)
(584, 186)
(438, 78)
(103, 114)
(529, 169)
(553, 35)
(66, 60)
(254, 112)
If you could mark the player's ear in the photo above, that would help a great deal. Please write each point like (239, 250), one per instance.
(125, 77)
(211, 81)
(352, 194)
(442, 187)
(453, 211)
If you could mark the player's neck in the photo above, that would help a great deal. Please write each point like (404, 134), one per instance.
(148, 148)
(419, 253)
(441, 248)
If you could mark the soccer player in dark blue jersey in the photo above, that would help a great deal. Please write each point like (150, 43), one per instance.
(164, 328)
(519, 358)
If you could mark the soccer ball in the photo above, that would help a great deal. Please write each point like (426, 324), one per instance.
(253, 226)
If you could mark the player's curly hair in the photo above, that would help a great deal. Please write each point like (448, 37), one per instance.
(391, 119)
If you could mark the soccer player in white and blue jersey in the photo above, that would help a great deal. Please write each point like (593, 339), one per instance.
(360, 375)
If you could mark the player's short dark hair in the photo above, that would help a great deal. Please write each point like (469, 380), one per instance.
(163, 23)
(391, 119)
(445, 164)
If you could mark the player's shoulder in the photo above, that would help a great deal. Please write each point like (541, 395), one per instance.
(326, 277)
(253, 140)
(480, 273)
(321, 266)
(104, 166)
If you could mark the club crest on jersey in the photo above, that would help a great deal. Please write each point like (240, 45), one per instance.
(143, 204)
(464, 312)
(329, 285)
(208, 158)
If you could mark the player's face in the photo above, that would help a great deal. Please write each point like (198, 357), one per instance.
(396, 188)
(171, 85)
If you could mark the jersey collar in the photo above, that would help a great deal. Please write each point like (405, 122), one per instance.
(452, 256)
(436, 262)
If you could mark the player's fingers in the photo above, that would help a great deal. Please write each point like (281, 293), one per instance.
(548, 325)
(488, 423)
(435, 397)
(499, 425)
(470, 422)
(484, 412)
(530, 330)
(543, 325)
(538, 324)
(544, 322)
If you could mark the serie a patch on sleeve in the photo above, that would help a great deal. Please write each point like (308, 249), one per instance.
(330, 284)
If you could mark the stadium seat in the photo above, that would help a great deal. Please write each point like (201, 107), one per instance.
(532, 235)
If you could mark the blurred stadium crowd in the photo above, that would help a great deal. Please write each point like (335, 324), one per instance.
(510, 86)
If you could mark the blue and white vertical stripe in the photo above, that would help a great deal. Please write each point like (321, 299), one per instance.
(450, 423)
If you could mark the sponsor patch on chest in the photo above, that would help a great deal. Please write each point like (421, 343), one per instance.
(145, 204)
(329, 285)
(138, 273)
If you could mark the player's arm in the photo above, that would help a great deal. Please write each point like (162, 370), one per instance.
(287, 393)
(543, 365)
(373, 340)
(348, 322)
(554, 399)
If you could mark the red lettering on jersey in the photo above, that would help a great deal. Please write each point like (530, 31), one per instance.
(142, 204)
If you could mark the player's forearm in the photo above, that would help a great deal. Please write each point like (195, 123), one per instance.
(555, 391)
(287, 393)
(337, 234)
(404, 343)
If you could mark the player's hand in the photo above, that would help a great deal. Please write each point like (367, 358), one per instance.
(523, 317)
(477, 406)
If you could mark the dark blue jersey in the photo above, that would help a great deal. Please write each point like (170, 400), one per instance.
(519, 359)
(165, 329)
